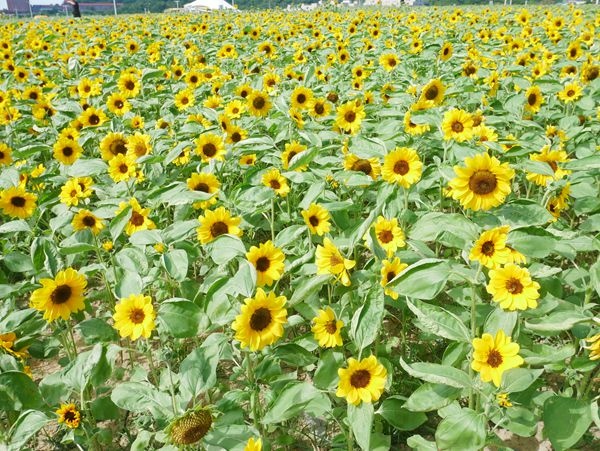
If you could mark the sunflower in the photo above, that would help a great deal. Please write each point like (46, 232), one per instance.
(329, 260)
(362, 381)
(327, 329)
(71, 193)
(87, 88)
(492, 356)
(301, 98)
(534, 99)
(411, 128)
(113, 144)
(93, 117)
(122, 168)
(67, 151)
(389, 61)
(389, 235)
(210, 147)
(244, 90)
(483, 183)
(402, 166)
(190, 427)
(61, 296)
(134, 317)
(258, 103)
(253, 445)
(512, 287)
(552, 157)
(69, 415)
(184, 99)
(138, 145)
(570, 93)
(433, 92)
(389, 270)
(16, 202)
(457, 125)
(248, 160)
(317, 219)
(118, 104)
(490, 249)
(85, 219)
(292, 149)
(446, 51)
(349, 117)
(235, 134)
(139, 217)
(129, 85)
(216, 223)
(370, 167)
(235, 109)
(268, 261)
(594, 346)
(503, 400)
(277, 182)
(204, 182)
(261, 319)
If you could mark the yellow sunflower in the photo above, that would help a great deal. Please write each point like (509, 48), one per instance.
(594, 346)
(277, 182)
(258, 103)
(362, 381)
(248, 160)
(349, 117)
(61, 296)
(483, 183)
(411, 128)
(570, 93)
(402, 166)
(268, 261)
(118, 104)
(490, 249)
(389, 61)
(261, 319)
(327, 329)
(210, 147)
(122, 168)
(389, 235)
(93, 117)
(457, 125)
(69, 415)
(492, 356)
(329, 260)
(16, 202)
(85, 219)
(185, 99)
(292, 149)
(216, 223)
(134, 317)
(433, 92)
(253, 445)
(67, 151)
(370, 166)
(513, 288)
(317, 219)
(534, 99)
(139, 219)
(204, 182)
(113, 144)
(129, 85)
(446, 51)
(138, 145)
(389, 271)
(5, 155)
(552, 157)
(319, 107)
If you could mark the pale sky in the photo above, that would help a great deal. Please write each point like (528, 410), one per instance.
(35, 2)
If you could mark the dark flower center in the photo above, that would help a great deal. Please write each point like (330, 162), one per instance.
(129, 85)
(137, 316)
(260, 319)
(69, 416)
(514, 286)
(67, 151)
(314, 221)
(401, 167)
(319, 108)
(350, 116)
(209, 149)
(61, 294)
(201, 187)
(457, 127)
(275, 184)
(89, 221)
(218, 228)
(483, 182)
(118, 147)
(362, 166)
(385, 236)
(18, 201)
(532, 99)
(136, 219)
(236, 137)
(258, 103)
(119, 104)
(570, 93)
(553, 165)
(494, 359)
(331, 327)
(262, 264)
(390, 275)
(94, 119)
(431, 93)
(301, 98)
(360, 379)
(488, 248)
(123, 169)
(392, 62)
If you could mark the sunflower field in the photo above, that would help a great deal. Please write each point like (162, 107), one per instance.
(342, 229)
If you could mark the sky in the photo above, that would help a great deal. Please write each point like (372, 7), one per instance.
(34, 2)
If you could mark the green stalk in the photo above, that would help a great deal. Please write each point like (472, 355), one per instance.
(472, 401)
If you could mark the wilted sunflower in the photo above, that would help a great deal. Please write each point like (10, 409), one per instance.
(327, 329)
(122, 168)
(389, 235)
(292, 149)
(258, 103)
(433, 92)
(210, 147)
(317, 219)
(268, 261)
(85, 219)
(457, 125)
(204, 182)
(69, 415)
(134, 317)
(16, 202)
(260, 322)
(329, 260)
(483, 183)
(61, 296)
(5, 155)
(362, 381)
(534, 98)
(402, 166)
(492, 356)
(139, 219)
(349, 117)
(370, 166)
(216, 223)
(552, 157)
(513, 288)
(490, 249)
(277, 182)
(191, 427)
(389, 271)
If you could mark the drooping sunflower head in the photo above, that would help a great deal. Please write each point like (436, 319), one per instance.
(362, 381)
(553, 158)
(329, 260)
(216, 223)
(61, 296)
(292, 149)
(191, 427)
(370, 166)
(260, 322)
(268, 261)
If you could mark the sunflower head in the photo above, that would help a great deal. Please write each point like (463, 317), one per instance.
(327, 329)
(494, 355)
(61, 296)
(191, 427)
(362, 381)
(69, 415)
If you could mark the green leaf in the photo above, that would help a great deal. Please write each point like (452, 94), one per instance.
(117, 225)
(128, 283)
(366, 322)
(18, 262)
(522, 213)
(293, 399)
(557, 321)
(290, 235)
(532, 241)
(519, 379)
(104, 409)
(225, 248)
(306, 287)
(565, 421)
(437, 374)
(294, 355)
(86, 168)
(401, 418)
(595, 276)
(133, 260)
(430, 397)
(18, 225)
(463, 431)
(145, 237)
(142, 397)
(199, 369)
(436, 320)
(361, 422)
(19, 392)
(583, 164)
(499, 319)
(422, 280)
(420, 444)
(326, 374)
(431, 226)
(175, 263)
(26, 426)
(180, 317)
(96, 330)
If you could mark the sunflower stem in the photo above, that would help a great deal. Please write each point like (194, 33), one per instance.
(272, 219)
(255, 399)
(72, 338)
(472, 400)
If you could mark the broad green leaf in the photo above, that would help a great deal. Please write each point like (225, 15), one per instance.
(430, 397)
(18, 392)
(326, 374)
(144, 237)
(420, 444)
(523, 212)
(142, 397)
(465, 431)
(519, 379)
(199, 369)
(306, 287)
(366, 322)
(532, 241)
(422, 280)
(18, 225)
(431, 225)
(499, 319)
(595, 276)
(436, 320)
(401, 418)
(117, 225)
(557, 321)
(26, 426)
(128, 283)
(565, 421)
(293, 399)
(225, 248)
(294, 355)
(97, 330)
(361, 421)
(175, 262)
(437, 374)
(180, 317)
